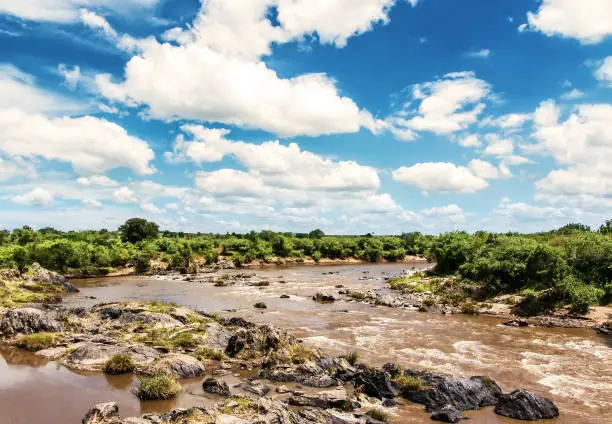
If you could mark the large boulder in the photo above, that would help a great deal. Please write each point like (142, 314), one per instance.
(157, 320)
(463, 394)
(93, 356)
(448, 415)
(323, 297)
(101, 413)
(375, 383)
(309, 374)
(27, 321)
(178, 365)
(336, 398)
(524, 405)
(212, 385)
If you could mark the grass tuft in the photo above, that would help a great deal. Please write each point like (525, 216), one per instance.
(409, 384)
(119, 364)
(379, 414)
(208, 353)
(158, 387)
(38, 341)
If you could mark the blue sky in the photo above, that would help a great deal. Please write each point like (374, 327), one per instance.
(352, 116)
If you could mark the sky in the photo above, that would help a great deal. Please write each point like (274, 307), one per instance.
(352, 116)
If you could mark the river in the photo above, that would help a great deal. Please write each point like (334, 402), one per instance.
(573, 367)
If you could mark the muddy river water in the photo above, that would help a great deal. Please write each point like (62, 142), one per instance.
(573, 367)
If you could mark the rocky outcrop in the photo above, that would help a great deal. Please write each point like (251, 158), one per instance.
(309, 374)
(605, 328)
(524, 405)
(323, 297)
(516, 323)
(463, 394)
(27, 321)
(336, 398)
(93, 356)
(212, 385)
(157, 320)
(101, 413)
(178, 365)
(41, 275)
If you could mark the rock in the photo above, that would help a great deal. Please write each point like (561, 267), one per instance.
(336, 398)
(110, 313)
(158, 320)
(463, 394)
(605, 328)
(285, 296)
(524, 405)
(375, 383)
(212, 385)
(179, 365)
(42, 275)
(237, 322)
(27, 321)
(99, 413)
(258, 389)
(516, 323)
(389, 403)
(309, 374)
(323, 297)
(282, 389)
(93, 356)
(238, 342)
(260, 305)
(448, 415)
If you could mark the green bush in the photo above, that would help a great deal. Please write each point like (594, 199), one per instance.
(408, 383)
(207, 353)
(37, 341)
(119, 364)
(352, 358)
(581, 296)
(158, 387)
(184, 340)
(379, 414)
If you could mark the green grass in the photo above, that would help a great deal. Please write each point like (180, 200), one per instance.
(160, 307)
(119, 364)
(184, 340)
(299, 354)
(37, 341)
(470, 308)
(158, 387)
(243, 409)
(352, 358)
(408, 383)
(208, 353)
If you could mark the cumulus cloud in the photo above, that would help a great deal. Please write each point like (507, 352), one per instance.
(444, 177)
(97, 180)
(572, 94)
(589, 21)
(16, 167)
(582, 145)
(29, 127)
(213, 71)
(66, 10)
(487, 170)
(92, 204)
(447, 105)
(479, 54)
(71, 76)
(36, 197)
(125, 195)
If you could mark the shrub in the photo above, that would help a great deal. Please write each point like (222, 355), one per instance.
(138, 229)
(379, 414)
(470, 308)
(408, 383)
(119, 364)
(582, 296)
(158, 387)
(142, 262)
(37, 341)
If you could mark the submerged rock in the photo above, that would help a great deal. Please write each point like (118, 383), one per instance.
(448, 414)
(323, 297)
(212, 385)
(260, 305)
(516, 323)
(463, 394)
(93, 356)
(336, 398)
(375, 383)
(27, 321)
(524, 405)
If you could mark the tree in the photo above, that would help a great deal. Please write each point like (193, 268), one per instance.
(316, 234)
(138, 229)
(569, 228)
(606, 228)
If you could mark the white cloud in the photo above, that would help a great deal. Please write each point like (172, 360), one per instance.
(97, 180)
(582, 144)
(72, 77)
(16, 167)
(92, 204)
(36, 197)
(151, 208)
(172, 206)
(479, 54)
(487, 171)
(443, 210)
(124, 195)
(506, 122)
(29, 128)
(573, 94)
(65, 10)
(214, 72)
(470, 140)
(440, 176)
(446, 105)
(604, 71)
(589, 21)
(497, 146)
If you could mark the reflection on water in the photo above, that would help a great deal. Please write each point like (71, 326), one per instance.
(572, 366)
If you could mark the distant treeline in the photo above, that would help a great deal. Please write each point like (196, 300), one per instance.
(573, 260)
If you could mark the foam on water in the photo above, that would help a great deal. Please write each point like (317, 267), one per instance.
(587, 346)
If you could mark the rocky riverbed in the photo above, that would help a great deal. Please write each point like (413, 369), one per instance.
(244, 370)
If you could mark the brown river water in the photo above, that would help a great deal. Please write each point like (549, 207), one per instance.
(573, 367)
